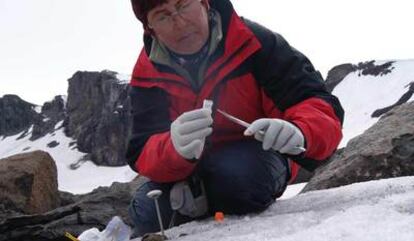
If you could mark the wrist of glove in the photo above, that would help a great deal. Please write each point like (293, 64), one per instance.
(280, 135)
(189, 131)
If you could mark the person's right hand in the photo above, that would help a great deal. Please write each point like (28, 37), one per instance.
(189, 131)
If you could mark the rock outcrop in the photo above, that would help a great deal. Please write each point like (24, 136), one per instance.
(96, 113)
(52, 112)
(98, 116)
(16, 115)
(403, 99)
(339, 72)
(383, 151)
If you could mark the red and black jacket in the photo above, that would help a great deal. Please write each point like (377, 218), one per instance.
(253, 74)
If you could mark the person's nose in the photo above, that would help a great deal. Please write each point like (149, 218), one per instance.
(178, 20)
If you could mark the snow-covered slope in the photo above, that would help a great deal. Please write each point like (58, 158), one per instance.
(361, 95)
(82, 180)
(376, 210)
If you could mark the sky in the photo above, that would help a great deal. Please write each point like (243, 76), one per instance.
(43, 43)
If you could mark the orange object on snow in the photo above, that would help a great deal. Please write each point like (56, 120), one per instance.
(219, 216)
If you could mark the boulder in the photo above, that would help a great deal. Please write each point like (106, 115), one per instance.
(385, 150)
(28, 183)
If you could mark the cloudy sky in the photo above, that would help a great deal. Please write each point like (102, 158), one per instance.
(43, 43)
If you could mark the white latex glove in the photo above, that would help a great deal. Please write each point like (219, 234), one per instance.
(189, 131)
(280, 135)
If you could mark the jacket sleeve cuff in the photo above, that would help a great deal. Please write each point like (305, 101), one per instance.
(160, 162)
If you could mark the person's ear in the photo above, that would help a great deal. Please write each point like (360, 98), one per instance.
(206, 4)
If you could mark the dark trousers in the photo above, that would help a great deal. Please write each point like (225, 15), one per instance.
(239, 178)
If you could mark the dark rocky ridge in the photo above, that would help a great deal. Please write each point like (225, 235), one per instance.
(403, 99)
(96, 115)
(16, 115)
(52, 112)
(339, 72)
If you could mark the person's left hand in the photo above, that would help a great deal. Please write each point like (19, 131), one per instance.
(277, 134)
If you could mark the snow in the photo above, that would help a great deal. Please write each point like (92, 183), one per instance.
(292, 190)
(368, 211)
(82, 180)
(123, 78)
(38, 109)
(65, 100)
(361, 95)
(376, 210)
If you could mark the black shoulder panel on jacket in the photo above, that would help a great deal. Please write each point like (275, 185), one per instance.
(150, 115)
(287, 76)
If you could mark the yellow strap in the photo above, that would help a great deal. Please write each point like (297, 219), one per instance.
(71, 237)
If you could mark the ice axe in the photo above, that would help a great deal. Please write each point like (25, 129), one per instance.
(155, 194)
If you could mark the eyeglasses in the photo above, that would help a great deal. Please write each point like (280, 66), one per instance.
(185, 10)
